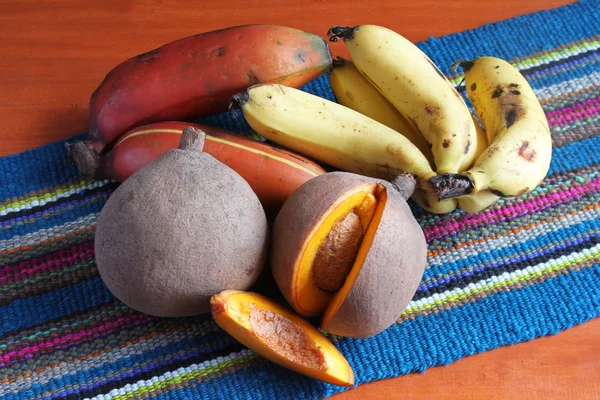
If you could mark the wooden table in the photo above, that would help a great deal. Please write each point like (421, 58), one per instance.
(54, 54)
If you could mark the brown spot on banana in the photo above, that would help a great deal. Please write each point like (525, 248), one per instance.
(473, 86)
(446, 143)
(510, 118)
(467, 147)
(498, 92)
(431, 110)
(526, 152)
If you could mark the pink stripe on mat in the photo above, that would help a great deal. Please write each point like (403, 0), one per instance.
(71, 339)
(574, 108)
(446, 227)
(75, 254)
(590, 113)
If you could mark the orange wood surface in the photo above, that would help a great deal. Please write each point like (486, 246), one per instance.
(53, 54)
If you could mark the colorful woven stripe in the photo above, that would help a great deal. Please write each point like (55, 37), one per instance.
(529, 266)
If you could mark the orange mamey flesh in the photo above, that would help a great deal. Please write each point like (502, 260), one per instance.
(340, 295)
(310, 299)
(279, 335)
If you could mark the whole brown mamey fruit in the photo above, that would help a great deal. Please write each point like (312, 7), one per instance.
(180, 230)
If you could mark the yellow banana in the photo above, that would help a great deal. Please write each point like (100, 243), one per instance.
(354, 91)
(417, 89)
(520, 149)
(476, 202)
(330, 132)
(430, 202)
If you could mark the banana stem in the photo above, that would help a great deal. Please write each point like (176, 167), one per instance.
(464, 64)
(237, 101)
(447, 186)
(85, 157)
(339, 61)
(337, 32)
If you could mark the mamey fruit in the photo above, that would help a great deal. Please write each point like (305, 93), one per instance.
(280, 336)
(348, 247)
(354, 91)
(197, 75)
(329, 132)
(417, 88)
(178, 231)
(272, 173)
(518, 156)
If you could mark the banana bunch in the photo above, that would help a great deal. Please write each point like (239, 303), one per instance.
(397, 113)
(512, 150)
(354, 91)
(518, 156)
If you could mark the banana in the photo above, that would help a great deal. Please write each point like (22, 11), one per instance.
(520, 149)
(430, 202)
(329, 132)
(417, 89)
(473, 203)
(354, 91)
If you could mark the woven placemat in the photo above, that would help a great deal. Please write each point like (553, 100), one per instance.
(527, 267)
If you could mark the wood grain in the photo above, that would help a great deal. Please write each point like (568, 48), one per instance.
(53, 54)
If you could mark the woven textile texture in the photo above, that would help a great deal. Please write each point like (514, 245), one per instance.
(527, 267)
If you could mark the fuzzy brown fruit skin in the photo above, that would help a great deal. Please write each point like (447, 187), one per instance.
(391, 271)
(178, 231)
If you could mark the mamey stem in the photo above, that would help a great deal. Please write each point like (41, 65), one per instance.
(192, 138)
(405, 184)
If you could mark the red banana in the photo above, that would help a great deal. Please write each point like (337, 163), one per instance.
(273, 173)
(197, 75)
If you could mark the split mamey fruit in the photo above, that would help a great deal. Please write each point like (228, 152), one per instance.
(348, 247)
(180, 230)
(279, 335)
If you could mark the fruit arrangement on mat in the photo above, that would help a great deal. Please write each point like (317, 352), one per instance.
(200, 211)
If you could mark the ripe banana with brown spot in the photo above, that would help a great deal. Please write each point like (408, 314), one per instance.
(520, 149)
(417, 89)
(476, 202)
(329, 132)
(353, 90)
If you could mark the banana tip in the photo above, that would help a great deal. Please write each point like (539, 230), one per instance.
(447, 186)
(237, 101)
(339, 61)
(464, 64)
(85, 158)
(338, 32)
